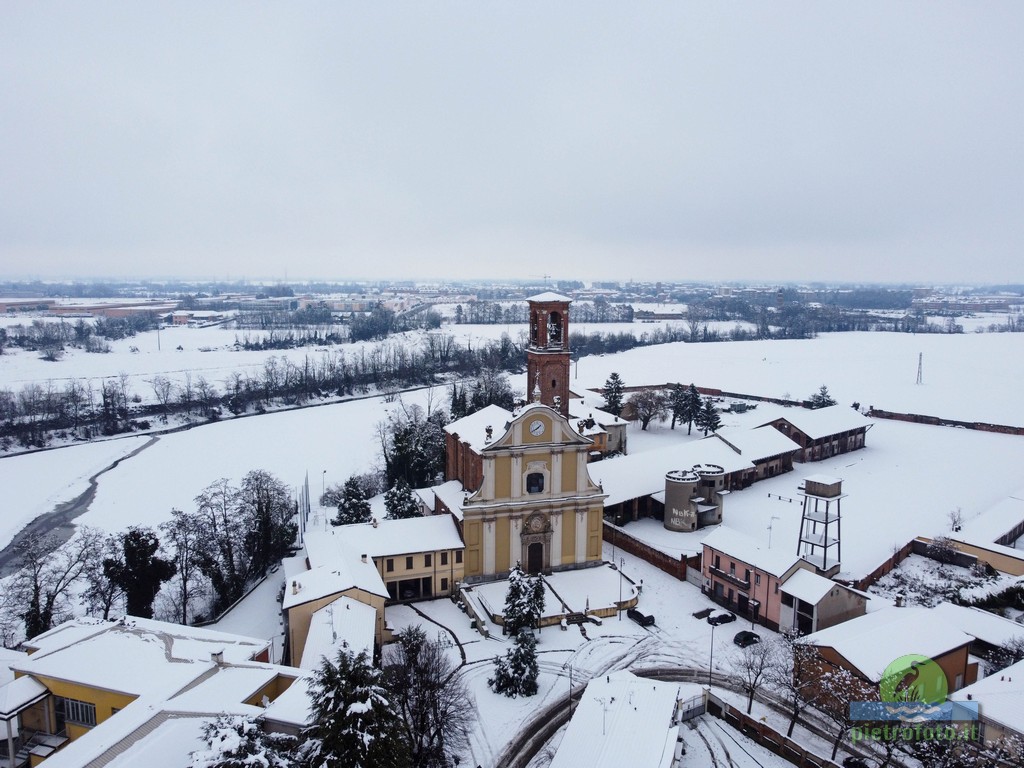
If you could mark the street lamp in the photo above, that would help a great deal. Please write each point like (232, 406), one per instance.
(323, 487)
(622, 562)
(711, 657)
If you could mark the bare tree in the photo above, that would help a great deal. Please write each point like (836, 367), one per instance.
(753, 665)
(791, 676)
(184, 534)
(435, 707)
(101, 593)
(48, 572)
(648, 405)
(163, 390)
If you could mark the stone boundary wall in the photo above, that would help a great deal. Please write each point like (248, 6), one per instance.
(670, 565)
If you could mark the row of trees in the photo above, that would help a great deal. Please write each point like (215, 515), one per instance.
(414, 713)
(206, 557)
(684, 404)
(493, 313)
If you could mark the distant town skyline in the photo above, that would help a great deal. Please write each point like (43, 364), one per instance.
(795, 142)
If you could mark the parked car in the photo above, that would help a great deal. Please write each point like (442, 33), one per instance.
(746, 637)
(721, 617)
(855, 762)
(643, 619)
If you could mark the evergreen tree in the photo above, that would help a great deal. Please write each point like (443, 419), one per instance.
(400, 502)
(821, 398)
(139, 572)
(459, 406)
(613, 392)
(524, 601)
(353, 507)
(237, 741)
(354, 723)
(708, 419)
(677, 404)
(516, 674)
(692, 406)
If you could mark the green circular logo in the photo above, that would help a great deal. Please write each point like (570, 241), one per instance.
(914, 678)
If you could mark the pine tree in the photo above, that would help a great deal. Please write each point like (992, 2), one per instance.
(613, 391)
(524, 601)
(708, 419)
(237, 741)
(677, 404)
(353, 507)
(400, 502)
(516, 674)
(691, 408)
(821, 398)
(354, 723)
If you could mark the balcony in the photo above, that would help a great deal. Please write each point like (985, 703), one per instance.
(731, 578)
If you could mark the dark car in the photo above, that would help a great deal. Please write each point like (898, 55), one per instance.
(855, 762)
(643, 619)
(746, 637)
(721, 617)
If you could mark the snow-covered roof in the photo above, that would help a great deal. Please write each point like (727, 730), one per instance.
(757, 444)
(548, 296)
(808, 586)
(578, 409)
(642, 474)
(342, 574)
(822, 422)
(999, 696)
(985, 626)
(872, 641)
(18, 694)
(472, 429)
(621, 720)
(292, 706)
(742, 547)
(997, 520)
(823, 479)
(389, 537)
(345, 621)
(452, 495)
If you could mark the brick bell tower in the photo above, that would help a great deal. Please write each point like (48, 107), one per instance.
(547, 356)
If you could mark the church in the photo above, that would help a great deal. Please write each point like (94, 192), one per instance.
(517, 482)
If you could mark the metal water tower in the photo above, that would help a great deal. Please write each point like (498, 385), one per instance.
(820, 523)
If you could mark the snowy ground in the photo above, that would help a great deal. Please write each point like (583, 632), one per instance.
(902, 485)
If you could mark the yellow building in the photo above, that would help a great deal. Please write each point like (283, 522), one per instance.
(89, 690)
(534, 502)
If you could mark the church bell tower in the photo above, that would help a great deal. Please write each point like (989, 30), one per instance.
(547, 356)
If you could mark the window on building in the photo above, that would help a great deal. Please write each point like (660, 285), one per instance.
(732, 569)
(74, 711)
(535, 482)
(427, 560)
(444, 558)
(776, 587)
(718, 563)
(390, 565)
(746, 575)
(787, 600)
(408, 563)
(458, 556)
(757, 579)
(444, 585)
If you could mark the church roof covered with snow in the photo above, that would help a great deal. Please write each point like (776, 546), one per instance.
(387, 537)
(472, 429)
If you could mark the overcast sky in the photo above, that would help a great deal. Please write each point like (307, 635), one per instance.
(777, 141)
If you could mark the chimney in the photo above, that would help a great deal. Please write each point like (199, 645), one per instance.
(373, 522)
(295, 587)
(488, 433)
(899, 601)
(217, 657)
(363, 559)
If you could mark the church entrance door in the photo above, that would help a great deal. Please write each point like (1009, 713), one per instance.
(535, 558)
